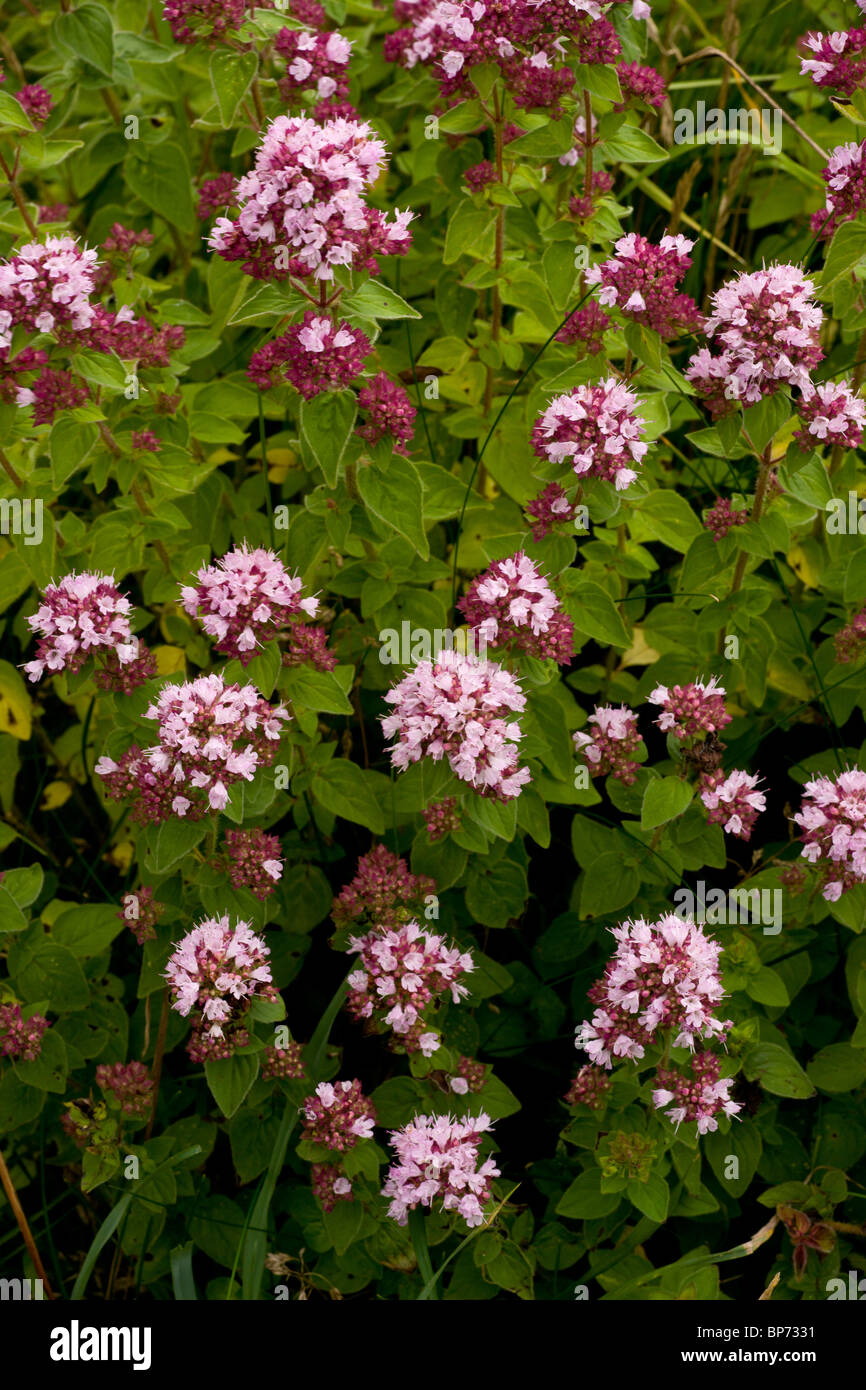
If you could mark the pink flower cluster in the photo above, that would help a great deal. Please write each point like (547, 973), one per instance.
(82, 616)
(478, 176)
(664, 976)
(383, 892)
(845, 177)
(122, 677)
(254, 860)
(130, 1085)
(210, 736)
(438, 1159)
(590, 1087)
(37, 102)
(831, 414)
(313, 356)
(308, 646)
(215, 972)
(216, 194)
(850, 640)
(338, 1115)
(523, 39)
(839, 63)
(209, 20)
(832, 821)
(401, 972)
(732, 800)
(306, 194)
(640, 83)
(50, 392)
(584, 205)
(696, 1094)
(247, 598)
(330, 1185)
(141, 914)
(283, 1063)
(586, 327)
(688, 710)
(46, 287)
(441, 818)
(471, 1076)
(21, 1039)
(550, 509)
(388, 410)
(722, 517)
(317, 62)
(767, 323)
(642, 282)
(596, 429)
(457, 707)
(611, 747)
(146, 442)
(512, 603)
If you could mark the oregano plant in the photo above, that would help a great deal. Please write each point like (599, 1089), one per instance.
(432, 757)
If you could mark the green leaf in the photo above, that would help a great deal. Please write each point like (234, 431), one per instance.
(584, 1199)
(182, 1278)
(768, 987)
(97, 1168)
(343, 1224)
(762, 421)
(87, 33)
(847, 250)
(839, 1067)
(343, 788)
(777, 1071)
(376, 301)
(396, 496)
(608, 885)
(669, 518)
(599, 79)
(265, 304)
(24, 885)
(230, 1079)
(651, 1197)
(742, 1143)
(231, 74)
(495, 895)
(48, 1071)
(45, 971)
(548, 140)
(12, 113)
(595, 614)
(168, 843)
(88, 929)
(326, 424)
(316, 690)
(665, 798)
(633, 145)
(469, 229)
(160, 175)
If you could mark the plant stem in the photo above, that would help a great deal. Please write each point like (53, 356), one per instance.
(257, 99)
(757, 510)
(418, 1232)
(156, 1070)
(9, 470)
(19, 200)
(18, 1212)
